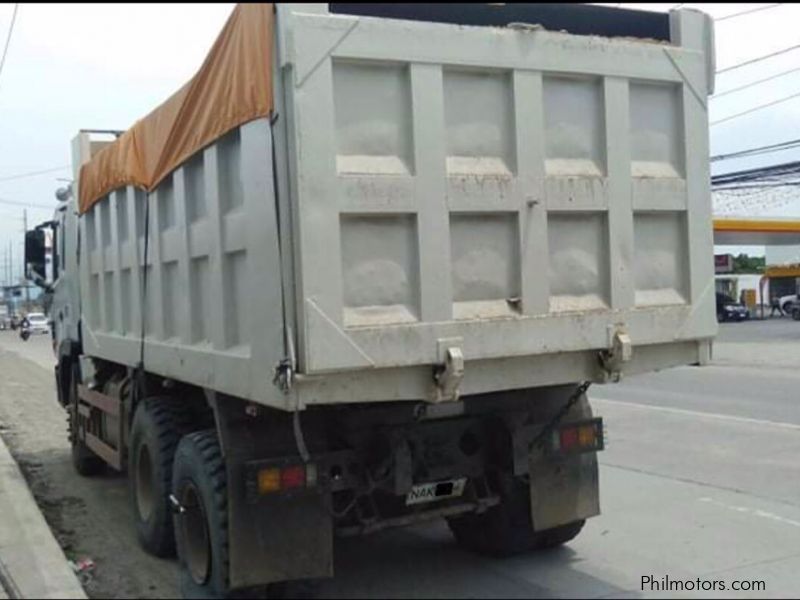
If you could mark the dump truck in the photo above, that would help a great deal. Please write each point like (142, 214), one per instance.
(360, 271)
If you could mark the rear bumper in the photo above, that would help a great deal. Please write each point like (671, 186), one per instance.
(486, 376)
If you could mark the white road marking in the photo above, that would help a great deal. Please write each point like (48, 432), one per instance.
(756, 512)
(697, 413)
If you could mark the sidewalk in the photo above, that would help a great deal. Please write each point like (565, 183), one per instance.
(32, 564)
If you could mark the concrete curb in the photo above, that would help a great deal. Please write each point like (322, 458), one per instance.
(32, 564)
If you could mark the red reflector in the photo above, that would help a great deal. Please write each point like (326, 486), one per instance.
(293, 477)
(569, 438)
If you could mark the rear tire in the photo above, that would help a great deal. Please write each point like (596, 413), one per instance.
(158, 426)
(85, 462)
(507, 528)
(199, 483)
(558, 536)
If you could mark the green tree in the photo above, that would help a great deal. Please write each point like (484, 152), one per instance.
(748, 264)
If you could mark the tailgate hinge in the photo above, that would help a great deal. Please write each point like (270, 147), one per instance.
(285, 370)
(284, 375)
(620, 352)
(449, 374)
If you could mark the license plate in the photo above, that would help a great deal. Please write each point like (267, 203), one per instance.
(430, 492)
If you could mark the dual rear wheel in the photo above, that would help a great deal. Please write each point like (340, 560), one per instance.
(169, 459)
(179, 497)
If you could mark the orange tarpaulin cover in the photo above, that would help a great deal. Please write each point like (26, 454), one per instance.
(233, 86)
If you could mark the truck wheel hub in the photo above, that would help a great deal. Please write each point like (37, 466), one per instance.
(144, 483)
(195, 535)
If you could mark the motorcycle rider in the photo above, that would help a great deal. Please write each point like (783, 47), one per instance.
(24, 328)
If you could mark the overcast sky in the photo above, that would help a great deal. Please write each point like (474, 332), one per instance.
(72, 66)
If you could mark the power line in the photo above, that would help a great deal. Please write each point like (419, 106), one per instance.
(760, 150)
(759, 174)
(747, 12)
(747, 85)
(750, 186)
(747, 112)
(33, 173)
(759, 59)
(8, 37)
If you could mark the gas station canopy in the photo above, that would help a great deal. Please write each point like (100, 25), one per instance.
(773, 231)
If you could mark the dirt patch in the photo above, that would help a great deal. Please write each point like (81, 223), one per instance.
(90, 517)
(57, 512)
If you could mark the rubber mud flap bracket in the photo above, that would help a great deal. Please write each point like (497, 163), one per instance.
(450, 371)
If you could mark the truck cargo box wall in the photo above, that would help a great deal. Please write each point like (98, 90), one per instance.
(518, 197)
(507, 191)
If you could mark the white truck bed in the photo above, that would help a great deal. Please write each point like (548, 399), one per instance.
(518, 196)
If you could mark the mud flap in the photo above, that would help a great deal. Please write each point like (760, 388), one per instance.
(282, 539)
(273, 539)
(563, 490)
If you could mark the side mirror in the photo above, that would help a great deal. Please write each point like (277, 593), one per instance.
(35, 256)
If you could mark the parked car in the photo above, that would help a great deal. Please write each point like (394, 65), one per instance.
(786, 303)
(38, 323)
(729, 309)
(794, 310)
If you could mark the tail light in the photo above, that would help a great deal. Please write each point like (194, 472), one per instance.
(573, 438)
(293, 477)
(286, 478)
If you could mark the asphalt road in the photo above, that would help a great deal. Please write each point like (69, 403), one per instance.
(700, 480)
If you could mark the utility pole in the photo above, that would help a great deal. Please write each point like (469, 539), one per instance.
(24, 266)
(11, 269)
